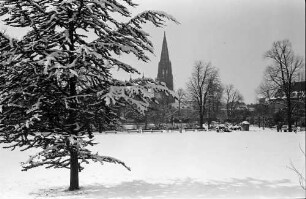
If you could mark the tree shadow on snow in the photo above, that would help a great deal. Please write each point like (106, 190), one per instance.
(187, 188)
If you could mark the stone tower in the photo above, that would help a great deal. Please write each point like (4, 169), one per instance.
(165, 72)
(164, 66)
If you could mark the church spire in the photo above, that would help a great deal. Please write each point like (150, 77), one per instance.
(164, 53)
(164, 66)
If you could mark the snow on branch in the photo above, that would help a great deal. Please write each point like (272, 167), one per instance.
(127, 93)
(130, 38)
(8, 48)
(53, 156)
(130, 3)
(138, 92)
(6, 40)
(56, 154)
(153, 16)
(87, 51)
(85, 155)
(113, 6)
(126, 67)
(57, 151)
(4, 9)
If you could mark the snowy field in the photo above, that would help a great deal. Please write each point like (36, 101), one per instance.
(171, 165)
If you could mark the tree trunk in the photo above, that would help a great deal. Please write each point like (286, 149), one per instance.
(289, 114)
(227, 112)
(289, 118)
(179, 107)
(201, 118)
(146, 121)
(74, 171)
(74, 165)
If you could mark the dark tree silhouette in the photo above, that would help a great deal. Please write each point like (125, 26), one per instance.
(201, 82)
(232, 100)
(282, 73)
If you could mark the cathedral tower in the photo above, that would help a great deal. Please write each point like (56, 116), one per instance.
(164, 66)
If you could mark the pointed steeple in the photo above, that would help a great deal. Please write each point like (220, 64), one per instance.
(164, 66)
(164, 53)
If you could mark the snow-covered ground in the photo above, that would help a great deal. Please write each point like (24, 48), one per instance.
(171, 165)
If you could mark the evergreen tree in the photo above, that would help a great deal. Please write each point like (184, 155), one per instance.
(56, 82)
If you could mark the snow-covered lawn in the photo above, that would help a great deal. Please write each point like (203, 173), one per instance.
(171, 165)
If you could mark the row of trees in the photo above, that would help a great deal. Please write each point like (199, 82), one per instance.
(207, 99)
(209, 96)
(203, 100)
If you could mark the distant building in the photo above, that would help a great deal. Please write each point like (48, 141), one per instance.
(297, 97)
(298, 92)
(165, 71)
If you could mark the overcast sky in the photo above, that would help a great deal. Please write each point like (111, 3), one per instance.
(231, 34)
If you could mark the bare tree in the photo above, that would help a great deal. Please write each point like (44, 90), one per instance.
(202, 80)
(181, 96)
(282, 73)
(301, 176)
(214, 99)
(266, 90)
(232, 99)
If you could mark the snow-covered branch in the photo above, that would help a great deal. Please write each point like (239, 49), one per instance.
(86, 155)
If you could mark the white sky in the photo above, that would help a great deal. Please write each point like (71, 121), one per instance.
(231, 34)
